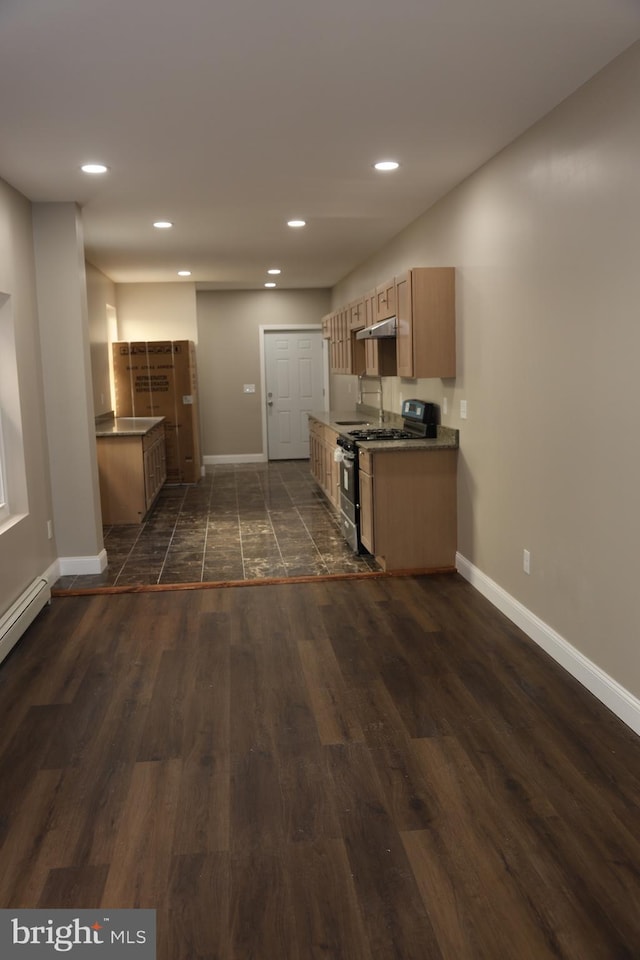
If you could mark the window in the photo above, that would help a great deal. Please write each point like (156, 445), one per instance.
(13, 478)
(4, 506)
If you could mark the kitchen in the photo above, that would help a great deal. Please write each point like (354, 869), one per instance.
(426, 317)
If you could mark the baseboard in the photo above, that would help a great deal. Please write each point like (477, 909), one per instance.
(79, 566)
(212, 459)
(52, 573)
(614, 696)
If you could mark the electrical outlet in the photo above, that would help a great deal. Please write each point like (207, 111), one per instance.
(444, 405)
(463, 409)
(526, 561)
(49, 529)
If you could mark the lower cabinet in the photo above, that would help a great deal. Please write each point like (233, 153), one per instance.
(132, 470)
(408, 513)
(324, 469)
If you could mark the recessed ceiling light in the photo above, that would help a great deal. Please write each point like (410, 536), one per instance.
(270, 284)
(93, 168)
(184, 273)
(386, 165)
(296, 223)
(163, 224)
(274, 271)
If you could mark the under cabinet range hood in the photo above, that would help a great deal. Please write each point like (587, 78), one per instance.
(380, 330)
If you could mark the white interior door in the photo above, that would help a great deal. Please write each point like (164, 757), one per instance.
(293, 381)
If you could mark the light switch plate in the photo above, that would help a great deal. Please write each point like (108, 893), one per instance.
(249, 388)
(463, 409)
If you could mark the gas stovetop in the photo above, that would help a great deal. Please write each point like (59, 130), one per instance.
(382, 433)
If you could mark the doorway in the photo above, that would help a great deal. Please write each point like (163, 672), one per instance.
(294, 384)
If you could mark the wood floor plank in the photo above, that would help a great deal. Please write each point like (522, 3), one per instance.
(328, 695)
(392, 909)
(308, 802)
(466, 843)
(328, 919)
(193, 919)
(142, 851)
(23, 874)
(74, 888)
(261, 914)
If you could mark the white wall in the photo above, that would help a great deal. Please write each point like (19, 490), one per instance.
(545, 240)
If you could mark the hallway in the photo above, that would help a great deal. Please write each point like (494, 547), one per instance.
(249, 521)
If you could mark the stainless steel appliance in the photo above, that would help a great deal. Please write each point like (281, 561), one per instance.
(420, 421)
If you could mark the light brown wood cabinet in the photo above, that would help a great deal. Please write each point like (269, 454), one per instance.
(324, 469)
(425, 308)
(379, 355)
(423, 300)
(340, 341)
(408, 515)
(357, 314)
(132, 470)
(385, 300)
(346, 354)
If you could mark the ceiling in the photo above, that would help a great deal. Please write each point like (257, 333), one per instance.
(229, 117)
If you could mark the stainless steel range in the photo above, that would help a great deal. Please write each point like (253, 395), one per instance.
(420, 421)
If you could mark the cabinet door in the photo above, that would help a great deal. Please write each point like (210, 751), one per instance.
(385, 300)
(313, 448)
(333, 480)
(426, 340)
(121, 474)
(356, 314)
(404, 338)
(366, 510)
(370, 346)
(338, 335)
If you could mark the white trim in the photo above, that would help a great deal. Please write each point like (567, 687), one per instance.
(212, 458)
(82, 566)
(52, 573)
(22, 613)
(616, 697)
(11, 521)
(263, 329)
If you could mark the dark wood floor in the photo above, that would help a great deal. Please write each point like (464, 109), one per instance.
(378, 768)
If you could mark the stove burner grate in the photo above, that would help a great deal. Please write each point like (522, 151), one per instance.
(382, 433)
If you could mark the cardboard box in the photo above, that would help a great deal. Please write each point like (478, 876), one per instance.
(158, 378)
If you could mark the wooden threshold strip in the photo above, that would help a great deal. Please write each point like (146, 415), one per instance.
(217, 584)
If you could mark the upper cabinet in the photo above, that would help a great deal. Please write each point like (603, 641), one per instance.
(379, 355)
(385, 301)
(426, 338)
(423, 300)
(357, 314)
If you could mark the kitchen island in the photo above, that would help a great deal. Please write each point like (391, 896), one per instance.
(407, 496)
(131, 466)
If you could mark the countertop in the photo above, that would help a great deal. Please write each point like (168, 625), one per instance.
(126, 426)
(344, 420)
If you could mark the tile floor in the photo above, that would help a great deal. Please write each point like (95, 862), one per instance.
(241, 522)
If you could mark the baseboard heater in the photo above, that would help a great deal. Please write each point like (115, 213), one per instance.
(23, 612)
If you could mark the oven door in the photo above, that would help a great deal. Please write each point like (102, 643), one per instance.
(349, 485)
